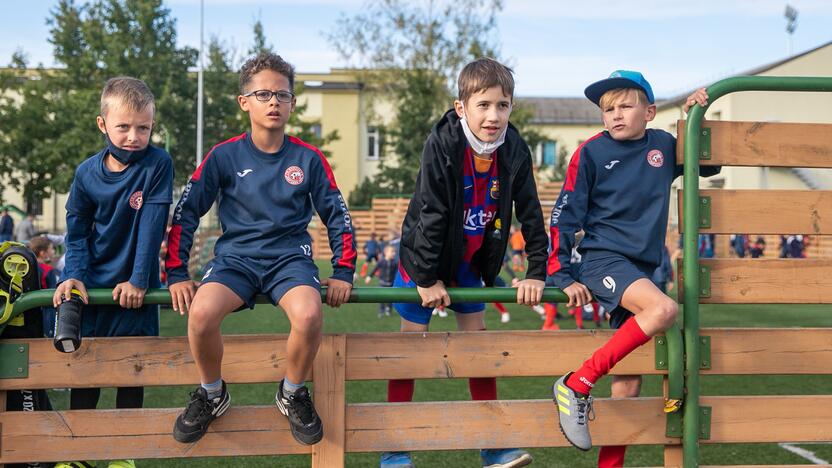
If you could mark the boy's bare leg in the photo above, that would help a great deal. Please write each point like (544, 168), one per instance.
(655, 312)
(302, 305)
(470, 322)
(623, 386)
(212, 303)
(408, 326)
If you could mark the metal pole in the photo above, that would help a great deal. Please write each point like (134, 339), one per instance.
(43, 297)
(693, 129)
(199, 83)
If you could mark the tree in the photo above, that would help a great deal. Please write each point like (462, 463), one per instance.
(410, 53)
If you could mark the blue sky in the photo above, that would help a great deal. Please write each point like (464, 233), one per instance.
(556, 47)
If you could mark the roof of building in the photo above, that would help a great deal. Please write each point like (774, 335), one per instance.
(562, 110)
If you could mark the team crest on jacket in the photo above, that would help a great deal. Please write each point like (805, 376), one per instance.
(294, 175)
(494, 189)
(655, 158)
(136, 200)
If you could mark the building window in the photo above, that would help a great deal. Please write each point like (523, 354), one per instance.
(549, 152)
(316, 130)
(34, 206)
(373, 143)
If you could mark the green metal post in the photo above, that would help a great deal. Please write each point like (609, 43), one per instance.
(691, 252)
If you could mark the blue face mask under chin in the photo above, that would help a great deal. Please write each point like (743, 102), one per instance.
(124, 156)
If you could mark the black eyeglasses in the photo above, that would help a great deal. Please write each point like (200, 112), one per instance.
(264, 95)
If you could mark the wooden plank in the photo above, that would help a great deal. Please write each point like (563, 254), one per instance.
(376, 427)
(147, 361)
(774, 144)
(380, 356)
(330, 401)
(746, 419)
(140, 433)
(673, 455)
(770, 351)
(768, 281)
(766, 211)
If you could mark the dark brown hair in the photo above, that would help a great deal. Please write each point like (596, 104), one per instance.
(482, 74)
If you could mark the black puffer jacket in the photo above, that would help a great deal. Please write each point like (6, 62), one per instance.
(432, 232)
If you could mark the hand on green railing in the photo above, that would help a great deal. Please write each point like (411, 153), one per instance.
(700, 96)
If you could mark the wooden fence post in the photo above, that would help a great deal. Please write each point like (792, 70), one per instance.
(328, 374)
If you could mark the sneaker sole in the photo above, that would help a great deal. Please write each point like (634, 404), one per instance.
(305, 439)
(189, 438)
(570, 440)
(523, 460)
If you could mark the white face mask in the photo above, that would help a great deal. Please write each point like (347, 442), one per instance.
(477, 145)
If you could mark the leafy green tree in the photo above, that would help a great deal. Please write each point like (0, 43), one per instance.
(410, 53)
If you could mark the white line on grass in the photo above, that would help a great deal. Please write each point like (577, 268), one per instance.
(801, 452)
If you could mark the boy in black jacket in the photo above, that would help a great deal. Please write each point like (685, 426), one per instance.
(474, 167)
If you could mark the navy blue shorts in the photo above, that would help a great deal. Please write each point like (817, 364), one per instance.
(274, 277)
(100, 320)
(608, 275)
(417, 314)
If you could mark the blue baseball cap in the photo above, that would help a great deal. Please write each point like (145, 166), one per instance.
(619, 79)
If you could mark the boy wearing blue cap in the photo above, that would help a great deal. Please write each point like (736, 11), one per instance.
(617, 191)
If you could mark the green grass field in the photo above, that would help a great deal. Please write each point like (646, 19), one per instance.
(362, 318)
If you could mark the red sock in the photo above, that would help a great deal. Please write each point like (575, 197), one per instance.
(629, 337)
(579, 317)
(363, 270)
(612, 456)
(483, 388)
(595, 316)
(400, 391)
(551, 312)
(500, 307)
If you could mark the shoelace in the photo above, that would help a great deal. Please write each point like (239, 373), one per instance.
(302, 406)
(199, 405)
(586, 410)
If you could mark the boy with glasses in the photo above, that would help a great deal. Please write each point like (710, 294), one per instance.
(266, 184)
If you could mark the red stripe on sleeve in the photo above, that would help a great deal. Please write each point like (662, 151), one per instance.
(348, 254)
(553, 264)
(172, 259)
(327, 168)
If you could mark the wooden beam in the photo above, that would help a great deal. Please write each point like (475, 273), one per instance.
(377, 427)
(768, 281)
(749, 351)
(766, 211)
(381, 356)
(148, 361)
(140, 433)
(330, 401)
(774, 144)
(747, 419)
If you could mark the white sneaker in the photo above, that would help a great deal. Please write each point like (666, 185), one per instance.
(539, 309)
(435, 311)
(505, 318)
(442, 313)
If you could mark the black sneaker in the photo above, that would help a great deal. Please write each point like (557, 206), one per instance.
(192, 424)
(303, 419)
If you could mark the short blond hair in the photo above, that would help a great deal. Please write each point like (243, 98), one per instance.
(482, 74)
(614, 95)
(130, 92)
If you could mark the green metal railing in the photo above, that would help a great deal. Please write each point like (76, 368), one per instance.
(693, 132)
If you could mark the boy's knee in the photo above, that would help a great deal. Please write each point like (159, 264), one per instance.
(202, 320)
(307, 319)
(667, 312)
